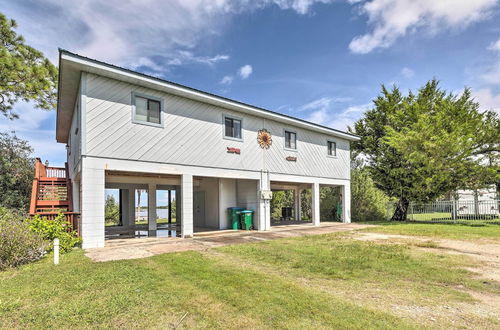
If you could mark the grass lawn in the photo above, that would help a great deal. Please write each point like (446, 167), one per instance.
(474, 229)
(325, 281)
(446, 216)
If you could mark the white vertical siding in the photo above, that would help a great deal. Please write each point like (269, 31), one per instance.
(211, 188)
(227, 198)
(92, 205)
(193, 135)
(247, 197)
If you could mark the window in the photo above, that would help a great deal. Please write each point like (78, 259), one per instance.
(290, 140)
(232, 128)
(332, 148)
(147, 110)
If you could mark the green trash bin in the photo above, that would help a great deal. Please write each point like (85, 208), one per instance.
(234, 217)
(246, 219)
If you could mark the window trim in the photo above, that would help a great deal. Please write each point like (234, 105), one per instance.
(152, 98)
(327, 148)
(285, 130)
(224, 116)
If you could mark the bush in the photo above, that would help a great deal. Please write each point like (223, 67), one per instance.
(57, 228)
(367, 202)
(18, 244)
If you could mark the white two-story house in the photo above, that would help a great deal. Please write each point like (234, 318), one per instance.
(126, 130)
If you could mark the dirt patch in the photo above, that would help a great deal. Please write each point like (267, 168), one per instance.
(488, 269)
(488, 254)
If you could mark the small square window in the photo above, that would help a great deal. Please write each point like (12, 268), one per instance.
(332, 148)
(232, 127)
(290, 140)
(147, 110)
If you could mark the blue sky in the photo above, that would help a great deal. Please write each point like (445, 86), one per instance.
(319, 60)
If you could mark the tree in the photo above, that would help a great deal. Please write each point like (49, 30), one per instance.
(16, 172)
(111, 211)
(421, 146)
(367, 202)
(329, 200)
(281, 198)
(25, 74)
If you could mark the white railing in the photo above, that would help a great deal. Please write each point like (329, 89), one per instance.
(56, 172)
(451, 210)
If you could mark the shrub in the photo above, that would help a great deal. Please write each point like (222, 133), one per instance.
(57, 228)
(18, 244)
(368, 203)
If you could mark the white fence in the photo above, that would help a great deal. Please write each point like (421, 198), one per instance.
(451, 210)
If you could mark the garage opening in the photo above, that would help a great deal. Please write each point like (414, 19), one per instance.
(330, 204)
(291, 203)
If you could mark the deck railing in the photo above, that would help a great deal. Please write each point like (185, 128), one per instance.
(51, 194)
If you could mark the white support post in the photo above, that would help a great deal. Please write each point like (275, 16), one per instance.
(92, 206)
(56, 251)
(315, 204)
(75, 190)
(187, 205)
(346, 203)
(298, 208)
(130, 220)
(124, 209)
(264, 214)
(152, 209)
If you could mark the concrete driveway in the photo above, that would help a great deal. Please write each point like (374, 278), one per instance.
(133, 248)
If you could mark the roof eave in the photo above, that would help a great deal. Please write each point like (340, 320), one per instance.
(98, 67)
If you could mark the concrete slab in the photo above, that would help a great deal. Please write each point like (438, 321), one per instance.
(133, 248)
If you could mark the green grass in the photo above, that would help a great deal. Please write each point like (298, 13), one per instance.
(389, 266)
(468, 230)
(157, 291)
(446, 216)
(325, 281)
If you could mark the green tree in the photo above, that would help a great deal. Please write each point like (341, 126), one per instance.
(174, 209)
(306, 203)
(281, 198)
(16, 172)
(329, 199)
(25, 74)
(111, 211)
(421, 146)
(367, 202)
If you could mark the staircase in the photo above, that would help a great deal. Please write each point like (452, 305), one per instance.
(51, 193)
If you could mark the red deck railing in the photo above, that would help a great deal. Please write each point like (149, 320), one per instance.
(51, 193)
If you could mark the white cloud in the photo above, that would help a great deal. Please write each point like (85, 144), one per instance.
(407, 73)
(123, 31)
(321, 112)
(245, 71)
(29, 127)
(495, 46)
(492, 71)
(227, 80)
(300, 6)
(392, 19)
(487, 99)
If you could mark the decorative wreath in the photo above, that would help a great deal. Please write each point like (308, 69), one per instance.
(264, 139)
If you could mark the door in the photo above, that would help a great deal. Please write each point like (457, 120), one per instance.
(199, 209)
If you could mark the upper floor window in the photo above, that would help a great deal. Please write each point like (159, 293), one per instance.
(232, 127)
(147, 110)
(332, 148)
(290, 140)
